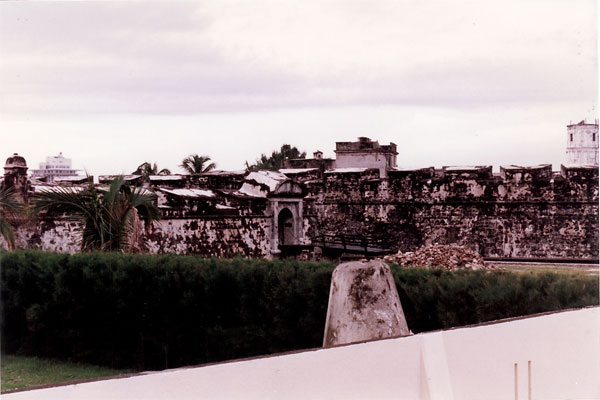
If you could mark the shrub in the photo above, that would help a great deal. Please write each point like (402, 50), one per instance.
(438, 299)
(153, 312)
(141, 311)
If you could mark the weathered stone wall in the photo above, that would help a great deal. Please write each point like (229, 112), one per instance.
(519, 213)
(209, 236)
(59, 235)
(215, 237)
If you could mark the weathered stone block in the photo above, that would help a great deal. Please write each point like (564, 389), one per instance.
(363, 304)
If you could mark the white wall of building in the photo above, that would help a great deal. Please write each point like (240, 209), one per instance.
(55, 166)
(366, 160)
(57, 162)
(467, 363)
(582, 144)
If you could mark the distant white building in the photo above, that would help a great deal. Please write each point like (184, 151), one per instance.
(55, 166)
(582, 143)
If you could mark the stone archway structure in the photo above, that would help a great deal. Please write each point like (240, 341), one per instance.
(286, 207)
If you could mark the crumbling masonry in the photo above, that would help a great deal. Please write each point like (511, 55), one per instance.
(520, 213)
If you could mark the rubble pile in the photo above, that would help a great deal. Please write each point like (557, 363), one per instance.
(449, 257)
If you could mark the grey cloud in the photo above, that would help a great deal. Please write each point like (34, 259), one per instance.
(129, 58)
(69, 23)
(55, 31)
(217, 83)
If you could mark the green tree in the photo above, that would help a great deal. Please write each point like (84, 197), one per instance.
(195, 164)
(110, 217)
(146, 169)
(9, 206)
(275, 161)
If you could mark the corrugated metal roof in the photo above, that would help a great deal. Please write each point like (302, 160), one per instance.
(192, 193)
(166, 177)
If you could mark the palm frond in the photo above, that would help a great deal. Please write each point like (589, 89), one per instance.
(114, 189)
(10, 209)
(143, 168)
(146, 169)
(59, 200)
(195, 164)
(209, 167)
(109, 216)
(9, 201)
(6, 230)
(93, 237)
(145, 203)
(75, 202)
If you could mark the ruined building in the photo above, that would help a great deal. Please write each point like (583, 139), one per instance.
(316, 162)
(582, 143)
(366, 153)
(530, 213)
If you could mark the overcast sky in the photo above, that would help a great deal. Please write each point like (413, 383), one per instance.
(114, 84)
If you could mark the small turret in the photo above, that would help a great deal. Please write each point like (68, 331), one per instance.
(15, 175)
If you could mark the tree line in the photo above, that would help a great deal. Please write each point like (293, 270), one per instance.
(196, 164)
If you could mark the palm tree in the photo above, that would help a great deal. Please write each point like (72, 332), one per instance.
(9, 206)
(110, 217)
(146, 169)
(195, 164)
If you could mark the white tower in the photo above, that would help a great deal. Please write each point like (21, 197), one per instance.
(582, 143)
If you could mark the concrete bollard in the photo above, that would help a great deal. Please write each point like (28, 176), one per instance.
(363, 304)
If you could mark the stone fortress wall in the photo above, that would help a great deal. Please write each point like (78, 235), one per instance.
(530, 213)
(520, 213)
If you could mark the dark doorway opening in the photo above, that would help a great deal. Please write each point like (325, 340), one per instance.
(286, 227)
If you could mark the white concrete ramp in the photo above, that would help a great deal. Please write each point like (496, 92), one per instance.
(467, 363)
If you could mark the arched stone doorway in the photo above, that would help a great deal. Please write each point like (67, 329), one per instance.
(285, 208)
(285, 222)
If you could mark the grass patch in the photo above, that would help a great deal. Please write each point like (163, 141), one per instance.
(23, 372)
(540, 269)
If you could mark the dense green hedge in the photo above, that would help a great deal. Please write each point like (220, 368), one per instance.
(145, 312)
(437, 299)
